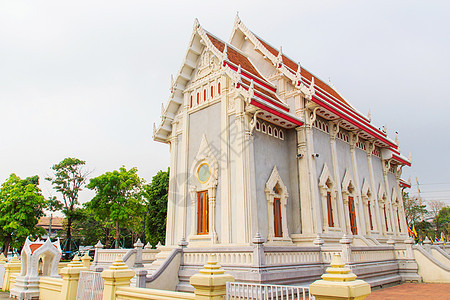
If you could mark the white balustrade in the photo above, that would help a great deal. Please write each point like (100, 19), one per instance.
(291, 258)
(224, 258)
(244, 291)
(372, 255)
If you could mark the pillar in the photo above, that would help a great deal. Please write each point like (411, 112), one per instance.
(70, 276)
(86, 261)
(116, 276)
(12, 267)
(210, 284)
(339, 283)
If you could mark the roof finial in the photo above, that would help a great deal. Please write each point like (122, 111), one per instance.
(384, 128)
(279, 60)
(154, 128)
(225, 51)
(237, 19)
(410, 157)
(196, 23)
(250, 90)
(409, 179)
(369, 116)
(239, 69)
(396, 137)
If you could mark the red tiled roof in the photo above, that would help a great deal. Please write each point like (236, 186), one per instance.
(236, 57)
(294, 66)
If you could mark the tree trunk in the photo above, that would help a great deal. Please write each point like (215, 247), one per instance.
(69, 233)
(6, 245)
(117, 234)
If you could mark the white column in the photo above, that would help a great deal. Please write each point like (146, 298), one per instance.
(172, 197)
(224, 164)
(377, 225)
(183, 171)
(334, 130)
(361, 224)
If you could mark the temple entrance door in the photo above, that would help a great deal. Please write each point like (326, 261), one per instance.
(278, 231)
(202, 212)
(352, 215)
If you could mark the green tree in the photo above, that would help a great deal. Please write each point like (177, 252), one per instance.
(443, 218)
(118, 195)
(21, 206)
(69, 178)
(414, 210)
(156, 194)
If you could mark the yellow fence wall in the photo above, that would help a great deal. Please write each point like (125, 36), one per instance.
(50, 288)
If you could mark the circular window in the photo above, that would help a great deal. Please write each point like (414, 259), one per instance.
(203, 173)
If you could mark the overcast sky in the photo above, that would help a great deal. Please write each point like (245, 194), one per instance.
(86, 79)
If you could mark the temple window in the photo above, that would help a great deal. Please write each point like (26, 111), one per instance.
(278, 231)
(370, 215)
(212, 91)
(281, 135)
(198, 98)
(275, 133)
(191, 102)
(202, 212)
(276, 196)
(330, 210)
(264, 130)
(328, 198)
(218, 88)
(258, 125)
(352, 215)
(204, 95)
(269, 130)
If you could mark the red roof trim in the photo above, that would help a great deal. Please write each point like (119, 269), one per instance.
(271, 101)
(275, 112)
(354, 115)
(404, 184)
(326, 105)
(401, 160)
(251, 76)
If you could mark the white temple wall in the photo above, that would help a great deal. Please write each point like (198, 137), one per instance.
(209, 115)
(344, 158)
(377, 172)
(363, 166)
(235, 208)
(270, 152)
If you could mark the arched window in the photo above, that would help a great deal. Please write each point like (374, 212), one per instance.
(281, 135)
(349, 197)
(264, 128)
(277, 195)
(258, 126)
(328, 197)
(269, 130)
(275, 133)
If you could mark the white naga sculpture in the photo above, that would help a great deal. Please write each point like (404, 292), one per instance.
(33, 254)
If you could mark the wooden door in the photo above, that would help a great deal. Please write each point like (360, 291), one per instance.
(330, 211)
(202, 213)
(352, 215)
(277, 217)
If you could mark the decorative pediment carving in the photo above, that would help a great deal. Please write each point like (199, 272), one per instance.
(348, 186)
(325, 178)
(366, 191)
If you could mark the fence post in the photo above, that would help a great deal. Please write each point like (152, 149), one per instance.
(70, 276)
(86, 260)
(116, 276)
(339, 283)
(3, 261)
(138, 247)
(346, 249)
(210, 284)
(12, 267)
(97, 247)
(258, 251)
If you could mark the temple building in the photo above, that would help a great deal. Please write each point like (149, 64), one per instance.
(259, 144)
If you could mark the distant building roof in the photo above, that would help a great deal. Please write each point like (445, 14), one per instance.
(57, 223)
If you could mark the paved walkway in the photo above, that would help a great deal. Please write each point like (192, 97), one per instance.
(413, 291)
(4, 295)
